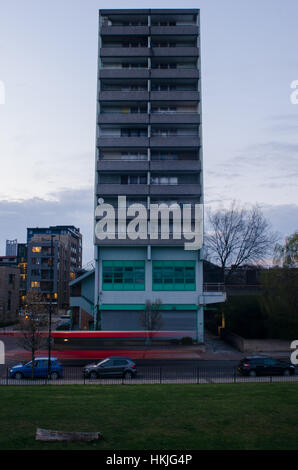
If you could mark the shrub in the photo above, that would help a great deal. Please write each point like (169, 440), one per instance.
(174, 341)
(186, 340)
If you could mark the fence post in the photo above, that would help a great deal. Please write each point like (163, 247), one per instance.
(234, 375)
(7, 375)
(198, 375)
(160, 375)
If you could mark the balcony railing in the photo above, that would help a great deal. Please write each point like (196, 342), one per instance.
(214, 287)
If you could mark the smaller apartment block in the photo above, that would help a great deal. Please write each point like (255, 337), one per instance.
(54, 255)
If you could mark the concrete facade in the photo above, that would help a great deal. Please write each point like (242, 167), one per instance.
(149, 148)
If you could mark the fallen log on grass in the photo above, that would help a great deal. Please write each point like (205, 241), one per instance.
(54, 436)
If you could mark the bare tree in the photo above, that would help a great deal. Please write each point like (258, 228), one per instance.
(33, 325)
(151, 317)
(238, 236)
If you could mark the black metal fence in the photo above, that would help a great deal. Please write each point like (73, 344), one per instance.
(149, 375)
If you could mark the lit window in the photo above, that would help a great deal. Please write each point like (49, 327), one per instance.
(35, 284)
(36, 249)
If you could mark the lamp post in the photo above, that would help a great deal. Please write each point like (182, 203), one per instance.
(50, 310)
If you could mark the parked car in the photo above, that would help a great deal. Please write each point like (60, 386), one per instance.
(21, 371)
(111, 367)
(262, 365)
(64, 325)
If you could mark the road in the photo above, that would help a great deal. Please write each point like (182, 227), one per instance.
(149, 370)
(161, 371)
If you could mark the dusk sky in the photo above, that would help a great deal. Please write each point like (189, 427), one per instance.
(48, 65)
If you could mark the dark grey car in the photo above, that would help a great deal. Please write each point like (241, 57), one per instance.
(111, 367)
(261, 365)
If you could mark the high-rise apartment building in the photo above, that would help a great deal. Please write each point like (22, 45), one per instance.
(149, 149)
(53, 256)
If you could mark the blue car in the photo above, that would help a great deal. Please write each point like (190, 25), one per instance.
(21, 371)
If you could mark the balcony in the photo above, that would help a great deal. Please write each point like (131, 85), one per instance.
(214, 287)
(175, 73)
(124, 73)
(175, 52)
(124, 52)
(175, 141)
(123, 95)
(183, 30)
(175, 95)
(175, 118)
(175, 190)
(122, 165)
(175, 165)
(124, 31)
(116, 142)
(123, 118)
(122, 189)
(213, 293)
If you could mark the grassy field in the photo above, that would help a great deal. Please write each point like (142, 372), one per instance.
(168, 417)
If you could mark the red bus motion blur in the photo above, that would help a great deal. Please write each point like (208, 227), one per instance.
(134, 344)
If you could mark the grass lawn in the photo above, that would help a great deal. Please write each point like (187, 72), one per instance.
(161, 417)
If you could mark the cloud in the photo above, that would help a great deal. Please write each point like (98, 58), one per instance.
(263, 172)
(284, 218)
(65, 207)
(284, 123)
(75, 207)
(269, 153)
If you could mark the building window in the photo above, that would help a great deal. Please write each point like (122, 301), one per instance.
(123, 275)
(133, 179)
(36, 249)
(173, 275)
(35, 284)
(35, 272)
(164, 180)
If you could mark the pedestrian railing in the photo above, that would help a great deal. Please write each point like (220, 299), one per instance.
(149, 375)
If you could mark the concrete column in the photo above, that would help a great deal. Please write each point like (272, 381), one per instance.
(148, 278)
(200, 324)
(97, 320)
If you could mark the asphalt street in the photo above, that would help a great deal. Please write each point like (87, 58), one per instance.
(221, 368)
